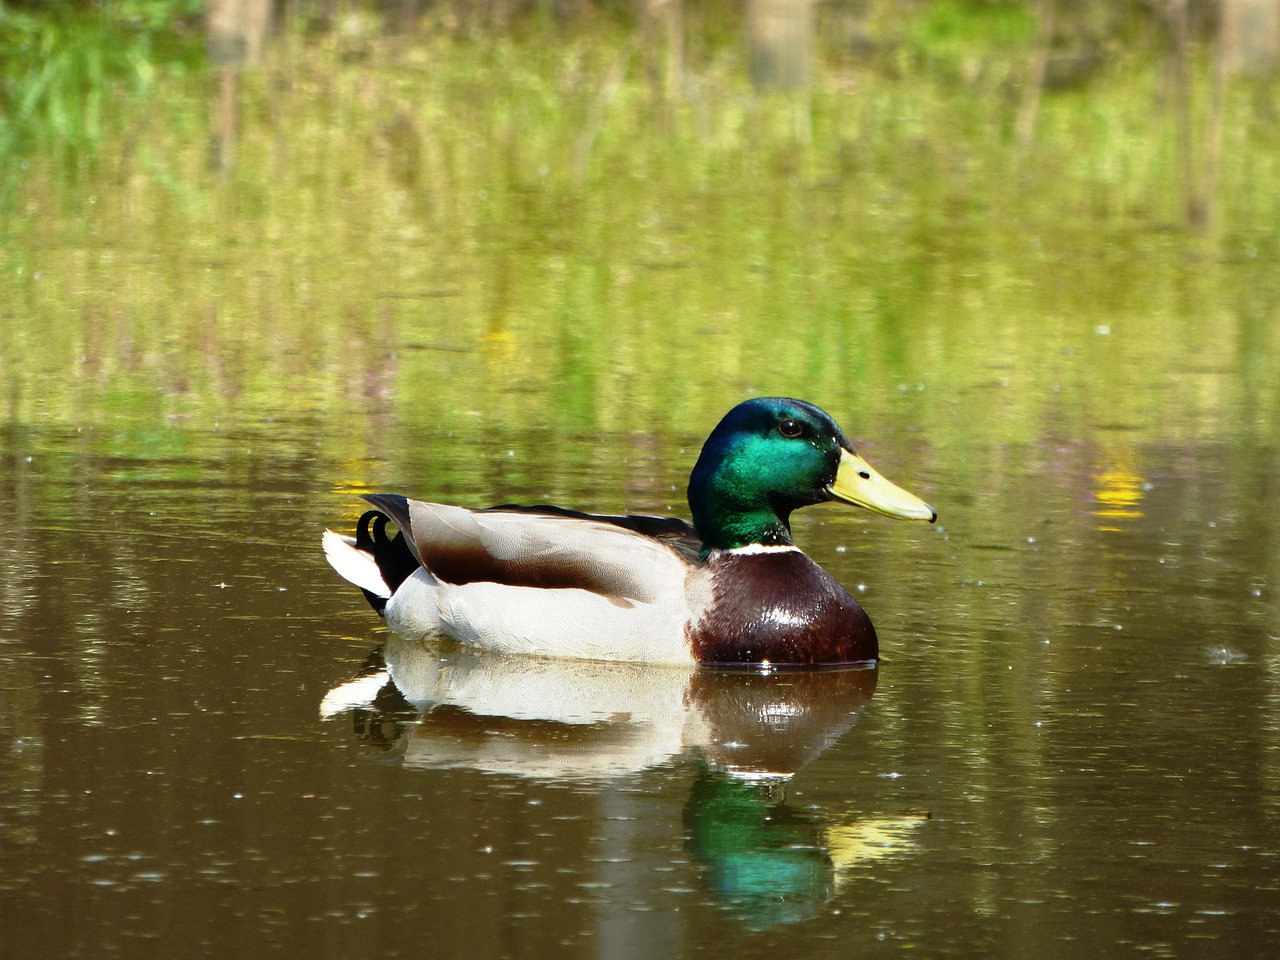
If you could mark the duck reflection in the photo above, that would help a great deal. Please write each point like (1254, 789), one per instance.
(749, 732)
(447, 707)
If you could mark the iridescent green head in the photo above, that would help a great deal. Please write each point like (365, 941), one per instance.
(772, 455)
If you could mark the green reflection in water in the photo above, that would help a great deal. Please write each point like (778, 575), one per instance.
(64, 65)
(765, 860)
(422, 235)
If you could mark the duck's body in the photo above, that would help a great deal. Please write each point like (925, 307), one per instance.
(731, 589)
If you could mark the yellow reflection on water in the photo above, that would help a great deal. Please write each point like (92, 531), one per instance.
(500, 350)
(861, 842)
(1118, 491)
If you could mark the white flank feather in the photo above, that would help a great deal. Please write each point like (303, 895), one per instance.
(354, 565)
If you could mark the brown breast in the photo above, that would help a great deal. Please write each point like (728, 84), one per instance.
(780, 607)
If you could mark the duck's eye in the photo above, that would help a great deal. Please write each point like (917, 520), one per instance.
(791, 428)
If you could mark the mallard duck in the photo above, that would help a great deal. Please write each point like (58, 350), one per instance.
(730, 588)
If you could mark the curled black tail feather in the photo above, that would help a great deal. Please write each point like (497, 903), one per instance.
(395, 560)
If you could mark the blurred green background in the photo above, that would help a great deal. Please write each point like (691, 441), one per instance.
(999, 220)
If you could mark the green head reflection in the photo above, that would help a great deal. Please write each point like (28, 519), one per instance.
(766, 862)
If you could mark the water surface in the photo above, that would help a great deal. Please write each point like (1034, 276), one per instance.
(1069, 749)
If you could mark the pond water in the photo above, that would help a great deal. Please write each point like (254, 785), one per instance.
(1070, 748)
(210, 747)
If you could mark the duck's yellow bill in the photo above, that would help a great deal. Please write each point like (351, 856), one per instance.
(858, 484)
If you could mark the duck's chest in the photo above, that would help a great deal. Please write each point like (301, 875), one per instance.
(778, 606)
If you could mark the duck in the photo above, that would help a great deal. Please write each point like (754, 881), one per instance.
(729, 589)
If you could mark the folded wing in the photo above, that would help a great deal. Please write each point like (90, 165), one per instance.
(624, 558)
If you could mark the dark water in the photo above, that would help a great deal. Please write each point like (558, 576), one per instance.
(1070, 749)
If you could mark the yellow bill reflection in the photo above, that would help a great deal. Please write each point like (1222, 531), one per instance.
(1118, 493)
